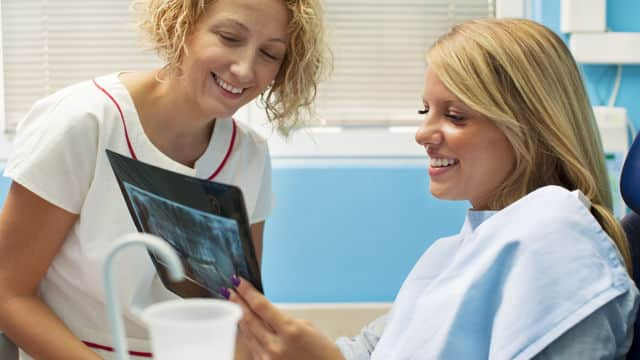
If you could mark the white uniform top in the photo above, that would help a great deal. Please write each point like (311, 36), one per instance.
(59, 154)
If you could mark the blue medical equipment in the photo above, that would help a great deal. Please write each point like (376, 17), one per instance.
(630, 189)
(630, 178)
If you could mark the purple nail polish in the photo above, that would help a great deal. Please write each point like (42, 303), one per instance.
(235, 280)
(225, 293)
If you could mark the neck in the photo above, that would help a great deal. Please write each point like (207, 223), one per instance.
(168, 118)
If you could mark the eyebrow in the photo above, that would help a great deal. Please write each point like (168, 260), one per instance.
(243, 27)
(448, 102)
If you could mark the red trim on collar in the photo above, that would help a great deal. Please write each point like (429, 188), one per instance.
(133, 154)
(126, 134)
(226, 156)
(110, 349)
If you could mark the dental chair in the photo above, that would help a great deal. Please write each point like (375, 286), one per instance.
(630, 189)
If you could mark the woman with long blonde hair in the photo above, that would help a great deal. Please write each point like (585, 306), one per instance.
(540, 268)
(539, 102)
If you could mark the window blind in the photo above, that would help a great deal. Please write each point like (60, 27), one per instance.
(48, 44)
(378, 48)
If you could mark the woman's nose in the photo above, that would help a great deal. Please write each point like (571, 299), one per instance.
(243, 66)
(428, 133)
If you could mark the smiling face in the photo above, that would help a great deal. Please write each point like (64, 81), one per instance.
(469, 156)
(234, 53)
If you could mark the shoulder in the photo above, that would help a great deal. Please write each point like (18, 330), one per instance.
(250, 141)
(77, 105)
(549, 209)
(71, 118)
(552, 198)
(550, 231)
(246, 131)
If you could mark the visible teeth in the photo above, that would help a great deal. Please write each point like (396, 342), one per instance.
(227, 86)
(442, 162)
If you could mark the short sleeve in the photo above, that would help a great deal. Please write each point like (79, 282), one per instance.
(362, 345)
(54, 152)
(265, 197)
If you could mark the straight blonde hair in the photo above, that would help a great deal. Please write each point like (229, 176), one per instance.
(522, 76)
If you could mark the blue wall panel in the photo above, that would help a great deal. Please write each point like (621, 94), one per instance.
(350, 234)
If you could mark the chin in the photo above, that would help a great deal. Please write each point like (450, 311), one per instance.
(443, 194)
(438, 194)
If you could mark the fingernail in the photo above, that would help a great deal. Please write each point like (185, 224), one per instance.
(235, 280)
(225, 293)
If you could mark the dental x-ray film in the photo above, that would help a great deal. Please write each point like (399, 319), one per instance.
(204, 221)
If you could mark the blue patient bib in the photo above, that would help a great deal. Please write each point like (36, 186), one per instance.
(509, 284)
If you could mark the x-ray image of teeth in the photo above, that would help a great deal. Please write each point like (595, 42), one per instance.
(205, 221)
(207, 243)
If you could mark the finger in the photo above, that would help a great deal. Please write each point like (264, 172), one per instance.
(252, 324)
(256, 354)
(259, 304)
(250, 343)
(249, 340)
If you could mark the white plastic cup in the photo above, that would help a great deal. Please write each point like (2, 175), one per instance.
(194, 329)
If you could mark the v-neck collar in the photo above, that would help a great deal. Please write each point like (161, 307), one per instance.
(141, 147)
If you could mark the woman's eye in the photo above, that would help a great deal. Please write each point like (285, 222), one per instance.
(455, 117)
(269, 55)
(228, 38)
(423, 111)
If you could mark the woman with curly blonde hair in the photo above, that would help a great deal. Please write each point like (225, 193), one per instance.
(64, 207)
(540, 268)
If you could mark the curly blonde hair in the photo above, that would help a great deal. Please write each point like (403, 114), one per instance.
(522, 76)
(289, 100)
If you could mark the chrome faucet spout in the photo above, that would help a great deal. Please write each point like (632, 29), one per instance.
(160, 248)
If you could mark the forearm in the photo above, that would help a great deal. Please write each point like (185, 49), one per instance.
(31, 325)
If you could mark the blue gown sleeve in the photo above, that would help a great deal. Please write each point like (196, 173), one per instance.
(361, 346)
(605, 334)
